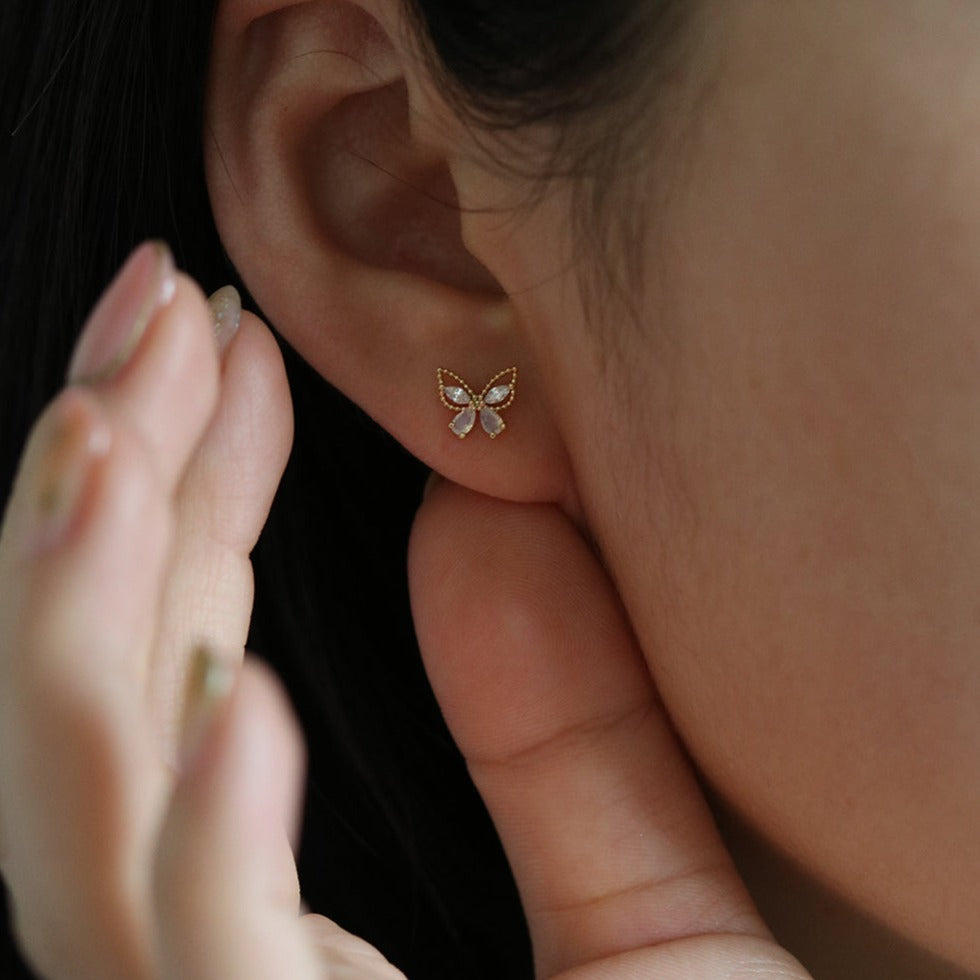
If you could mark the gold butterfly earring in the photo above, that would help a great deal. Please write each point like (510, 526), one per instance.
(456, 394)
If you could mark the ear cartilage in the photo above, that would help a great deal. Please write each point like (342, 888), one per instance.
(457, 395)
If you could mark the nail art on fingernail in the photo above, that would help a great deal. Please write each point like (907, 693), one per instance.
(226, 307)
(146, 283)
(209, 683)
(77, 438)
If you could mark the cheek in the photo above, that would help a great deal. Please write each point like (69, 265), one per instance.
(823, 621)
(819, 643)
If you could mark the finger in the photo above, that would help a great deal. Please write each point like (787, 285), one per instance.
(541, 683)
(225, 880)
(152, 408)
(230, 483)
(225, 888)
(162, 383)
(84, 547)
(221, 505)
(82, 603)
(153, 404)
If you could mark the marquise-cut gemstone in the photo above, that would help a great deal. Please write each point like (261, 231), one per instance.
(464, 422)
(458, 396)
(492, 423)
(497, 394)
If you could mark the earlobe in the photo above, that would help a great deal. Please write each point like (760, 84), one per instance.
(337, 206)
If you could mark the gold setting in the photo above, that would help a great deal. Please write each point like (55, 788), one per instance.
(497, 394)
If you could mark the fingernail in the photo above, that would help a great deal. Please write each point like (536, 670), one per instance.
(76, 438)
(226, 306)
(209, 683)
(146, 282)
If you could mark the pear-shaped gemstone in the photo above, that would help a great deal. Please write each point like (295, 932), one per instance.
(463, 422)
(492, 423)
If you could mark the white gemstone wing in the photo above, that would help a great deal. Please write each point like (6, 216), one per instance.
(499, 391)
(492, 423)
(496, 395)
(463, 423)
(456, 394)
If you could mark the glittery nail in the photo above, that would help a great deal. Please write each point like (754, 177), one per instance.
(226, 306)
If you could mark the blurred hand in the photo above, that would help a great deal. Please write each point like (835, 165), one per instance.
(148, 794)
(124, 549)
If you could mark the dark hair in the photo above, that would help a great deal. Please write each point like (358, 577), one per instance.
(100, 147)
(579, 89)
(519, 63)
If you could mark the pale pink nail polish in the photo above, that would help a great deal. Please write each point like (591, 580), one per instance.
(146, 282)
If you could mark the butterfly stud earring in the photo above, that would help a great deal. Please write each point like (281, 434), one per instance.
(497, 394)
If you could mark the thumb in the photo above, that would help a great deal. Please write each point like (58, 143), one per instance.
(225, 887)
(619, 865)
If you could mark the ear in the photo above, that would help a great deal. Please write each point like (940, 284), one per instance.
(331, 187)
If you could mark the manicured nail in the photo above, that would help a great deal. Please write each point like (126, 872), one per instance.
(226, 306)
(75, 439)
(146, 282)
(209, 684)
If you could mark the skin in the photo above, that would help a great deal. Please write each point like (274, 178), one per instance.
(170, 856)
(790, 513)
(772, 440)
(812, 426)
(772, 444)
